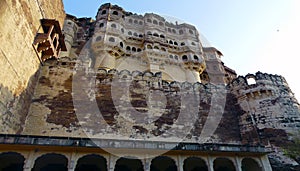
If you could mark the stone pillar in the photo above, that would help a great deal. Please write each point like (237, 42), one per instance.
(147, 163)
(238, 165)
(29, 161)
(210, 163)
(72, 162)
(112, 162)
(180, 163)
(266, 166)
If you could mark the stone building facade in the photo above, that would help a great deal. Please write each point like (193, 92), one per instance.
(143, 89)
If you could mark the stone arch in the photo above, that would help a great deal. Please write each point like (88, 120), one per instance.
(163, 163)
(249, 164)
(133, 49)
(11, 161)
(184, 58)
(196, 58)
(111, 39)
(223, 164)
(103, 12)
(91, 162)
(51, 161)
(128, 164)
(115, 13)
(155, 22)
(191, 32)
(149, 47)
(194, 164)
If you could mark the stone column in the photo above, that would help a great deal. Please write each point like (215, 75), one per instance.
(29, 161)
(72, 162)
(112, 162)
(147, 163)
(210, 163)
(266, 166)
(238, 165)
(180, 163)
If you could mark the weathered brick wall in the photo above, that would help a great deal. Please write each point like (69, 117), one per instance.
(19, 22)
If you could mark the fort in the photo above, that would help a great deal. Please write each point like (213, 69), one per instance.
(132, 92)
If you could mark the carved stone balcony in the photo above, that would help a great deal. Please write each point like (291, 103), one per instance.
(49, 43)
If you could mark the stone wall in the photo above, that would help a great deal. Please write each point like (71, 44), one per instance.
(123, 104)
(19, 23)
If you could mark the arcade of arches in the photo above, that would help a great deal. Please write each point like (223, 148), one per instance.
(63, 161)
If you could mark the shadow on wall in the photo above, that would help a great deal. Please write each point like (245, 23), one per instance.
(14, 108)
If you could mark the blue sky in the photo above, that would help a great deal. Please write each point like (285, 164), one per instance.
(256, 35)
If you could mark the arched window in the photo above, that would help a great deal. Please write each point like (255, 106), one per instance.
(161, 23)
(180, 31)
(101, 25)
(139, 50)
(174, 31)
(103, 12)
(91, 162)
(163, 163)
(51, 162)
(155, 34)
(196, 58)
(191, 32)
(171, 56)
(194, 163)
(171, 42)
(121, 44)
(193, 43)
(149, 20)
(11, 161)
(149, 33)
(184, 58)
(115, 13)
(149, 47)
(140, 23)
(155, 22)
(133, 49)
(140, 35)
(128, 48)
(163, 49)
(114, 26)
(162, 36)
(175, 43)
(156, 47)
(122, 30)
(182, 44)
(169, 30)
(250, 164)
(111, 39)
(135, 34)
(98, 38)
(130, 20)
(130, 33)
(221, 164)
(136, 22)
(126, 164)
(176, 57)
